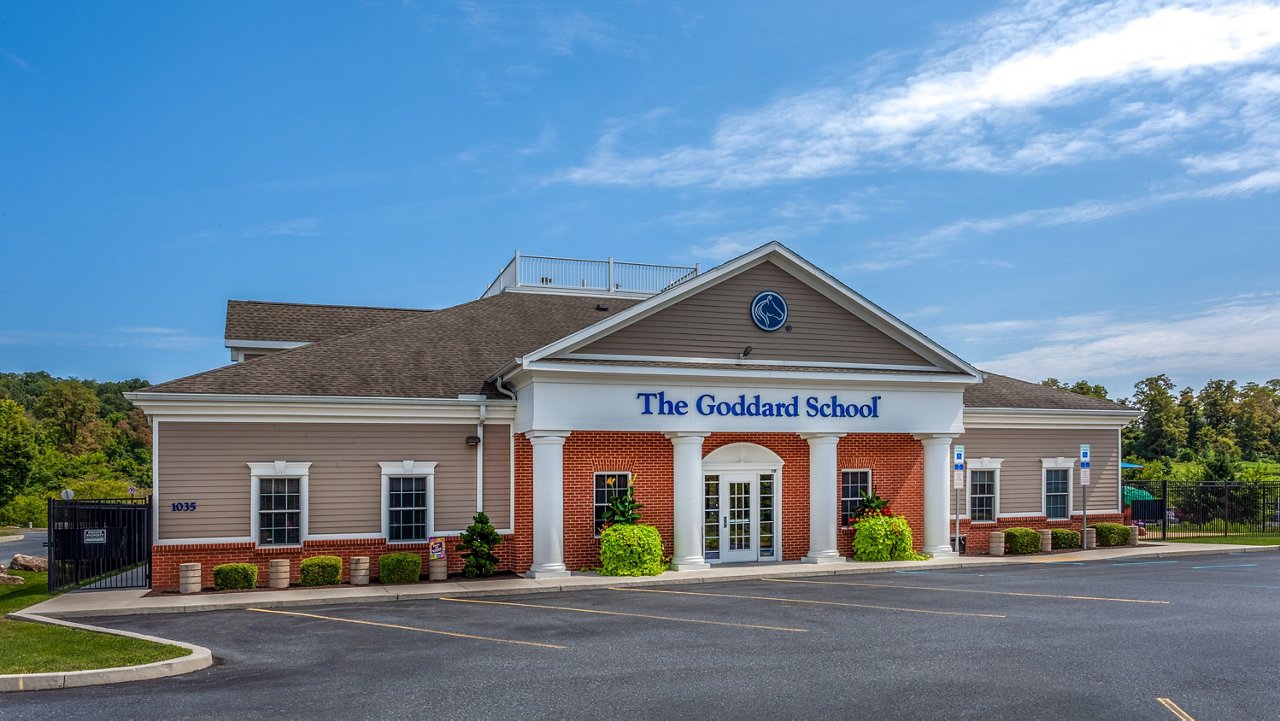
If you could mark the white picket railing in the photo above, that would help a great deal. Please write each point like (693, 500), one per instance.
(595, 276)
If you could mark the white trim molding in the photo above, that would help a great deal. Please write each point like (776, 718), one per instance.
(1060, 463)
(278, 469)
(983, 464)
(407, 469)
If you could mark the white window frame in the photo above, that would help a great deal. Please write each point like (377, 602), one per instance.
(404, 469)
(983, 464)
(279, 469)
(595, 528)
(871, 485)
(1057, 464)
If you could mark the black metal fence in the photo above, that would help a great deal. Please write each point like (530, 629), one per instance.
(99, 544)
(1208, 510)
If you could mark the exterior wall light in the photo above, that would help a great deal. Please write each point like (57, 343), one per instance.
(473, 440)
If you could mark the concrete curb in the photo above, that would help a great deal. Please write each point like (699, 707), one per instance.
(199, 658)
(12, 539)
(296, 598)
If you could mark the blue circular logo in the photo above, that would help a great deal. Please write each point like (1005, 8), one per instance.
(769, 311)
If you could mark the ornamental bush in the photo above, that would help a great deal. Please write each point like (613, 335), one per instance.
(399, 568)
(235, 575)
(478, 541)
(1065, 538)
(321, 571)
(1021, 540)
(631, 549)
(884, 538)
(1112, 534)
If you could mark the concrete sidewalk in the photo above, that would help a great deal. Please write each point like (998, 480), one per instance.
(129, 602)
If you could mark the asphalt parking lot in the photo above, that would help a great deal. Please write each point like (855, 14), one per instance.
(1047, 641)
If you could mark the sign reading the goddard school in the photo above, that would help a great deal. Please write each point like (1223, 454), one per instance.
(756, 405)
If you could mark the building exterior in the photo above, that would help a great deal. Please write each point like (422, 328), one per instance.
(747, 406)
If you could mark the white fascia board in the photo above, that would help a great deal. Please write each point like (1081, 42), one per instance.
(265, 344)
(745, 362)
(1046, 418)
(825, 283)
(333, 409)
(603, 373)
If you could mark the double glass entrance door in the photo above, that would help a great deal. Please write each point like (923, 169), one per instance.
(739, 516)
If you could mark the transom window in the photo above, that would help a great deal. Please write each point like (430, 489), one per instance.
(279, 511)
(608, 486)
(1057, 493)
(982, 495)
(853, 485)
(407, 508)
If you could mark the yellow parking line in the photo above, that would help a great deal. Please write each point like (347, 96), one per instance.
(816, 603)
(633, 615)
(1173, 708)
(968, 590)
(437, 632)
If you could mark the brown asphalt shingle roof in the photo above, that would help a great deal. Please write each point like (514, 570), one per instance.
(303, 322)
(398, 353)
(999, 391)
(442, 354)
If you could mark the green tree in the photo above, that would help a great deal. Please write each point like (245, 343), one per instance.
(1190, 407)
(17, 449)
(1080, 387)
(1218, 400)
(478, 540)
(1257, 416)
(1163, 429)
(66, 409)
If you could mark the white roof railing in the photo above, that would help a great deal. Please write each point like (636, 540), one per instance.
(576, 275)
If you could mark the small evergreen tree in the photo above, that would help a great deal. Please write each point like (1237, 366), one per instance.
(478, 541)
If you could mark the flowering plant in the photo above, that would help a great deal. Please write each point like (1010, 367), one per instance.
(872, 506)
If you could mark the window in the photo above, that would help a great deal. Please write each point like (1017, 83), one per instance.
(279, 498)
(982, 495)
(408, 493)
(1057, 487)
(407, 507)
(609, 486)
(853, 484)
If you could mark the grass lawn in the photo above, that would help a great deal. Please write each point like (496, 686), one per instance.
(1237, 540)
(38, 647)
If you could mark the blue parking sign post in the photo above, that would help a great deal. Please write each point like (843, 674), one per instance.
(957, 483)
(1084, 491)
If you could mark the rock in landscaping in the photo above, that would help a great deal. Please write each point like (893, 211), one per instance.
(12, 580)
(23, 562)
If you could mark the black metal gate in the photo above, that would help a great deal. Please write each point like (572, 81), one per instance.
(1207, 511)
(99, 544)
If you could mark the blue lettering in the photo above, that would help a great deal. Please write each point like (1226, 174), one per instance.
(682, 408)
(705, 404)
(812, 403)
(646, 397)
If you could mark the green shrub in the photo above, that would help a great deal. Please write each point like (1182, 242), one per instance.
(478, 541)
(235, 575)
(321, 571)
(884, 538)
(1065, 538)
(399, 568)
(1021, 540)
(1112, 534)
(631, 549)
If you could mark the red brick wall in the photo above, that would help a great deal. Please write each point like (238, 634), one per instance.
(897, 475)
(979, 534)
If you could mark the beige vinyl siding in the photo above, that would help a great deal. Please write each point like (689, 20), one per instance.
(205, 463)
(1021, 479)
(497, 475)
(716, 323)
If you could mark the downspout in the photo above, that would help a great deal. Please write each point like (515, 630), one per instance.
(480, 460)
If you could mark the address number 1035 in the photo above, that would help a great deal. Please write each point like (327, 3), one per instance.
(183, 506)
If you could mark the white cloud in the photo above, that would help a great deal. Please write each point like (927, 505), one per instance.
(294, 227)
(1240, 338)
(979, 105)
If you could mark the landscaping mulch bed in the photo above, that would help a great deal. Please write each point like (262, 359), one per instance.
(498, 576)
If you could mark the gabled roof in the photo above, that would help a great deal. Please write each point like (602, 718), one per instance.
(998, 391)
(256, 320)
(442, 354)
(816, 278)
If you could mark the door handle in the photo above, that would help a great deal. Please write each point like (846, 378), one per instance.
(724, 521)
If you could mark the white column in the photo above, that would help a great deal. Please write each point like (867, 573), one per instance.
(548, 504)
(937, 494)
(824, 514)
(687, 501)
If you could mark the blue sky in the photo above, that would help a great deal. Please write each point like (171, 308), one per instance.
(1047, 188)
